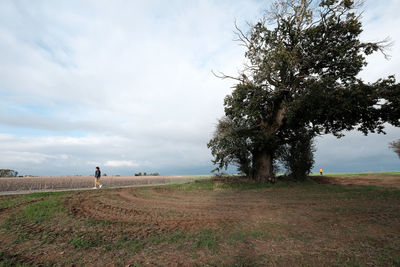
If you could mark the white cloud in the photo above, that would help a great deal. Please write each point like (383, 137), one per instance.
(127, 82)
(120, 163)
(23, 157)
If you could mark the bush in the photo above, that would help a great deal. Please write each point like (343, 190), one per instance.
(298, 157)
(8, 173)
(147, 174)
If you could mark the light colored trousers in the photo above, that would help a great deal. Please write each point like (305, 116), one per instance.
(96, 182)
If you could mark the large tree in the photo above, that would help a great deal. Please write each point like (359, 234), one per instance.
(303, 59)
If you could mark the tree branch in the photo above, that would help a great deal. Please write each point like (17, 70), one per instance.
(223, 76)
(241, 36)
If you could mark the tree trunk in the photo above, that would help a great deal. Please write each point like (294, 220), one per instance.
(263, 168)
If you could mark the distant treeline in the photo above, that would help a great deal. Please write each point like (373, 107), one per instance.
(8, 173)
(147, 174)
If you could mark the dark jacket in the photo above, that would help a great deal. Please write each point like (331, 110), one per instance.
(97, 174)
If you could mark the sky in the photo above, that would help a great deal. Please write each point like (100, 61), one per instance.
(127, 85)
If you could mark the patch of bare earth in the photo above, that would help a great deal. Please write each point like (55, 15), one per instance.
(370, 179)
(283, 225)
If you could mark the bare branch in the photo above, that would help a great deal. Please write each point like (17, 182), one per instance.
(384, 45)
(221, 75)
(241, 36)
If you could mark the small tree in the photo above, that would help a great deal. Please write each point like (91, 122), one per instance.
(230, 145)
(395, 145)
(297, 156)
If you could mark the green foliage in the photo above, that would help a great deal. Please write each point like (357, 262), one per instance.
(8, 173)
(298, 156)
(230, 146)
(301, 77)
(147, 174)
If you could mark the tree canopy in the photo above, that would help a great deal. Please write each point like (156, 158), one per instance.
(301, 76)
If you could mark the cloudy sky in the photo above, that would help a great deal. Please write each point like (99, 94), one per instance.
(127, 85)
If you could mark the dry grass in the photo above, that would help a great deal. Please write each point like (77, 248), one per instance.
(79, 182)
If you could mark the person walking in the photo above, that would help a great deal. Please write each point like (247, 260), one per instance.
(320, 171)
(97, 176)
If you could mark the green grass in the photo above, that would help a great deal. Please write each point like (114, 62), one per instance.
(206, 238)
(105, 223)
(42, 211)
(46, 194)
(177, 238)
(82, 243)
(244, 234)
(199, 176)
(133, 245)
(6, 261)
(38, 211)
(87, 240)
(8, 203)
(193, 186)
(211, 185)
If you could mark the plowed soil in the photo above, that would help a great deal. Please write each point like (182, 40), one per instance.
(207, 223)
(369, 179)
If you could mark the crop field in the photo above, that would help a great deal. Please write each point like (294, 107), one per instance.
(51, 183)
(217, 222)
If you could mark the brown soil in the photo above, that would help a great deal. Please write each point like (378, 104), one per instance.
(174, 226)
(370, 179)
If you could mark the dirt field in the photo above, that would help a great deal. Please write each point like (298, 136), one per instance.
(216, 222)
(53, 183)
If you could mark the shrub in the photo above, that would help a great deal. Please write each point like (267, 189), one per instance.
(298, 156)
(8, 173)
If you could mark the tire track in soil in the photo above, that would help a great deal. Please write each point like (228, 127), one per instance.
(162, 211)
